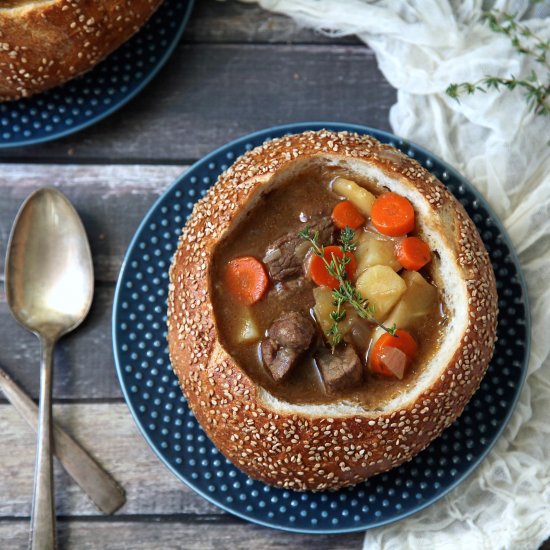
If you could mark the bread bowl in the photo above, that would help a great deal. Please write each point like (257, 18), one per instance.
(43, 44)
(286, 433)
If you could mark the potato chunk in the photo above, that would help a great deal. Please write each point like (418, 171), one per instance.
(248, 331)
(373, 249)
(417, 301)
(359, 196)
(383, 287)
(324, 306)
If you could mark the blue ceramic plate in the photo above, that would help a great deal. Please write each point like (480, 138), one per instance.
(95, 95)
(155, 400)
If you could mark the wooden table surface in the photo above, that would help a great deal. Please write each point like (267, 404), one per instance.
(237, 69)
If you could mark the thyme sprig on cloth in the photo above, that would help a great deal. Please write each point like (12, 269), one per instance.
(536, 86)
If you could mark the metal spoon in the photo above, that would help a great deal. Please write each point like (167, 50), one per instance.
(49, 286)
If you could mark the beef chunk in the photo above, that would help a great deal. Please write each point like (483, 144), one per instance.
(288, 337)
(292, 330)
(278, 360)
(339, 370)
(284, 257)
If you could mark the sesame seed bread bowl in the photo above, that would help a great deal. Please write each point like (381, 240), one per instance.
(330, 445)
(44, 43)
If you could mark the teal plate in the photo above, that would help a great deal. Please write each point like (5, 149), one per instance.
(95, 95)
(161, 412)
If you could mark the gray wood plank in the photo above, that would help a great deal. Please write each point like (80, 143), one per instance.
(233, 21)
(176, 535)
(210, 94)
(109, 433)
(111, 200)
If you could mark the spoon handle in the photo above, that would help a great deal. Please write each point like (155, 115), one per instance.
(43, 513)
(99, 485)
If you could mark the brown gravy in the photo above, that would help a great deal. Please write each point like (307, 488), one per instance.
(278, 212)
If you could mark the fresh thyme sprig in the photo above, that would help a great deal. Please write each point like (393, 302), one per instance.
(347, 240)
(346, 293)
(526, 42)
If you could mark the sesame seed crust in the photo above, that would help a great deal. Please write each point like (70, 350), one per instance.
(43, 44)
(299, 451)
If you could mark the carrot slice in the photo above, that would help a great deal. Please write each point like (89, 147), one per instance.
(246, 279)
(392, 215)
(346, 214)
(318, 269)
(402, 340)
(413, 253)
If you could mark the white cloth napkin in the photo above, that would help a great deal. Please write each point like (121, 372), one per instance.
(504, 150)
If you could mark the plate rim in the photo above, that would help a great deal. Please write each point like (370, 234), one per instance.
(295, 128)
(113, 108)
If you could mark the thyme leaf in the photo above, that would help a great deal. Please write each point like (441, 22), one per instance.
(536, 86)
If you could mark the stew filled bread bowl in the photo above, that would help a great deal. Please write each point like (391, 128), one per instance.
(331, 311)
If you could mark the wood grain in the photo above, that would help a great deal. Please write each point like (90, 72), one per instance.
(233, 21)
(110, 434)
(202, 533)
(101, 194)
(209, 94)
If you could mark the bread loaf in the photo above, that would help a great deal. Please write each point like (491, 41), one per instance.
(44, 43)
(329, 445)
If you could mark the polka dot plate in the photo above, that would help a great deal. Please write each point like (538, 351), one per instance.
(95, 95)
(160, 410)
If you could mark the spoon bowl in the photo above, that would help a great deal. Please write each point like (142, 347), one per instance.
(49, 286)
(49, 272)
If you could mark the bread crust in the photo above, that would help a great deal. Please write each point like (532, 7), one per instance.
(44, 43)
(282, 446)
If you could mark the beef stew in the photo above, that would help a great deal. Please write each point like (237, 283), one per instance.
(301, 367)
